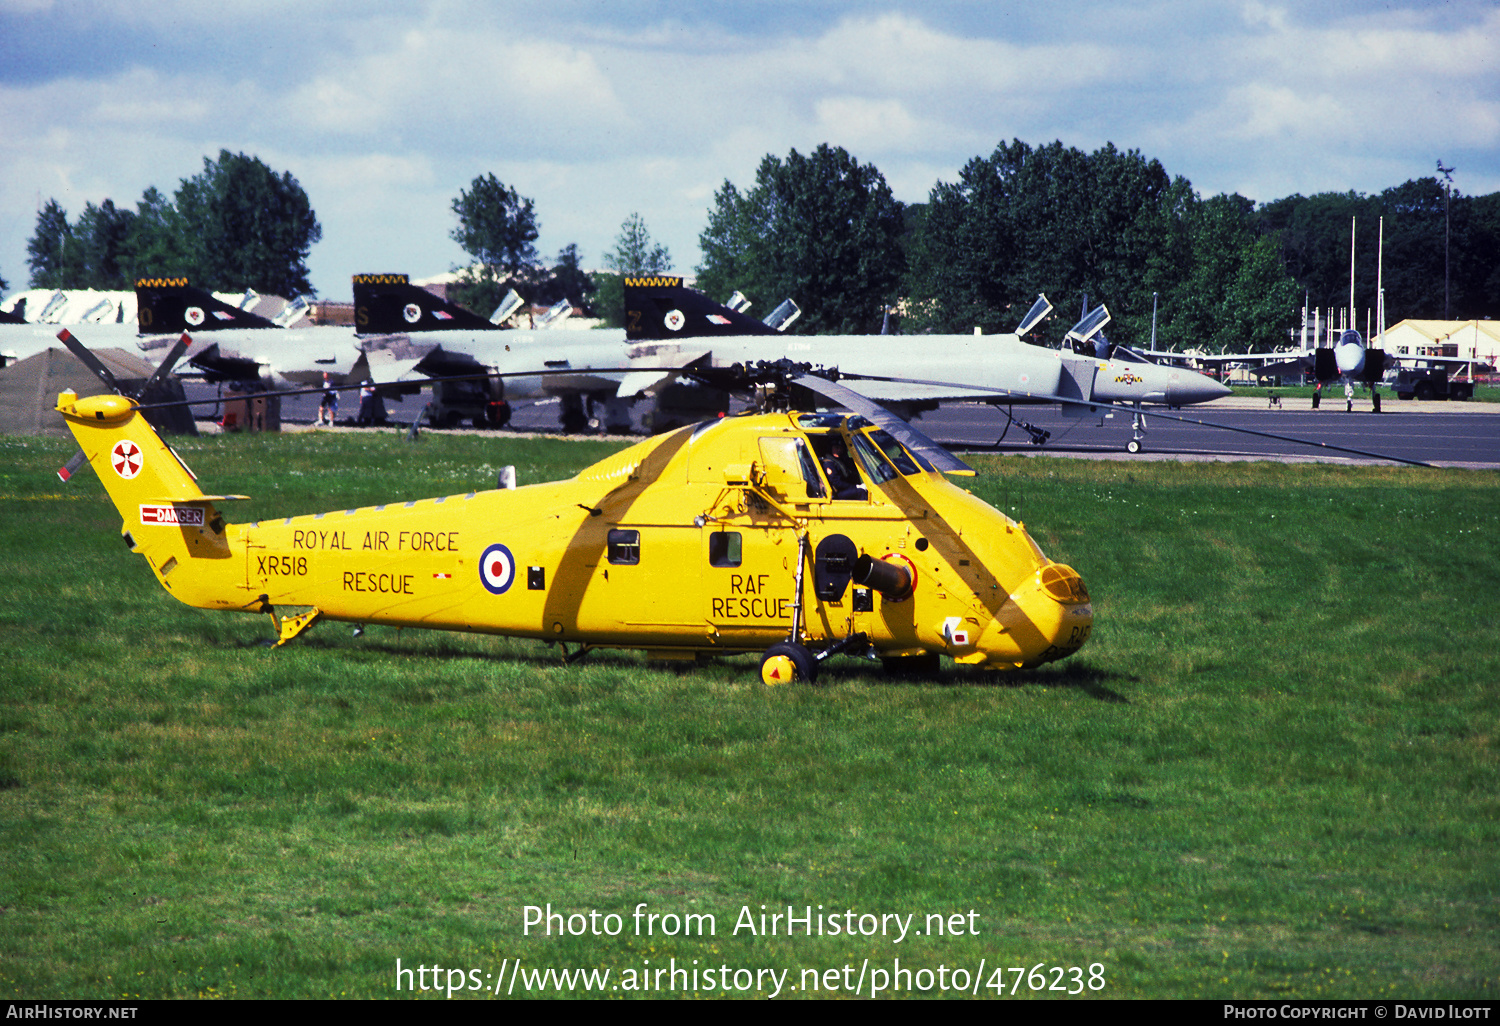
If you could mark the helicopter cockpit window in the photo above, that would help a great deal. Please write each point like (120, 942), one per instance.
(624, 547)
(809, 471)
(725, 548)
(874, 462)
(895, 452)
(833, 456)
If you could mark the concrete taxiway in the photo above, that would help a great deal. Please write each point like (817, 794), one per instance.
(1447, 434)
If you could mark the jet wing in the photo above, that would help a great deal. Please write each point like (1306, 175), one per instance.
(218, 365)
(393, 358)
(911, 391)
(651, 367)
(636, 382)
(384, 368)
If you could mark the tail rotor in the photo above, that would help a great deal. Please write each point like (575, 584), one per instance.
(150, 388)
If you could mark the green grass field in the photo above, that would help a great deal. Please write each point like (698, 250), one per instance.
(1271, 773)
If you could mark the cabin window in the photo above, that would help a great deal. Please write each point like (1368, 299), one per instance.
(624, 547)
(724, 548)
(793, 463)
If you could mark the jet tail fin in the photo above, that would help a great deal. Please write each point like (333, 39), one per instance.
(170, 305)
(661, 307)
(389, 304)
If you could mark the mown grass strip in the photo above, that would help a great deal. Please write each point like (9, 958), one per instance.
(1271, 773)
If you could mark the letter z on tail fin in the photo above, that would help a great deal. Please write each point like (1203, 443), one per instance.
(167, 518)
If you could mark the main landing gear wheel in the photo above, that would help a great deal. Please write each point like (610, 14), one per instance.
(1132, 446)
(786, 662)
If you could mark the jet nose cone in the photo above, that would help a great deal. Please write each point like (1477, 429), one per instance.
(1190, 387)
(1350, 357)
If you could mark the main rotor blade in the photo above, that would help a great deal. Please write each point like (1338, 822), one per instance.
(1119, 407)
(904, 433)
(88, 359)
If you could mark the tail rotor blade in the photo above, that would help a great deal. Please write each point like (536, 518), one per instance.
(166, 366)
(88, 359)
(67, 470)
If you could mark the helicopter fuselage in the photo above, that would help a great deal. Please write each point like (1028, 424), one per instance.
(723, 538)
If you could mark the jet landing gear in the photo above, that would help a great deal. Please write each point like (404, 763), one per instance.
(1038, 435)
(1138, 431)
(574, 416)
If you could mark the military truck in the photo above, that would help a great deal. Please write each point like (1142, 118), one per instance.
(1430, 383)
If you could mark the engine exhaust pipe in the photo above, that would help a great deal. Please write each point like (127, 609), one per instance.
(889, 579)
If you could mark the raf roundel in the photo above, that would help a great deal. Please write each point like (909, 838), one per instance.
(497, 569)
(127, 459)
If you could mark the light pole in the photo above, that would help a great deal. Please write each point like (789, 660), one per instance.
(1447, 173)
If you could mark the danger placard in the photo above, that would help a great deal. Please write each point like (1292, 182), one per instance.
(192, 516)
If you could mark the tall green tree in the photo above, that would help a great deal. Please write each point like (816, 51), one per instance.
(635, 252)
(1314, 236)
(103, 237)
(1482, 264)
(498, 228)
(822, 229)
(247, 226)
(237, 225)
(1235, 295)
(566, 279)
(51, 253)
(91, 253)
(1111, 224)
(734, 245)
(157, 242)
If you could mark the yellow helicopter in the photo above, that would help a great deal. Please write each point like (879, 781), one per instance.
(799, 535)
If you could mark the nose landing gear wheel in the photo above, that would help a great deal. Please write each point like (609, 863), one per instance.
(1137, 431)
(786, 662)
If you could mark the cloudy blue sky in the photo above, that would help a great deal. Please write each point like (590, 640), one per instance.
(599, 108)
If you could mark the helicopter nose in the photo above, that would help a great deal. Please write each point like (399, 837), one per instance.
(1188, 387)
(1049, 618)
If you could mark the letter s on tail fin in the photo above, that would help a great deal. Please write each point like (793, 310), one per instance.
(167, 518)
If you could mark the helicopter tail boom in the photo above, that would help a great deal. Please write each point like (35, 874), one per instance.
(167, 518)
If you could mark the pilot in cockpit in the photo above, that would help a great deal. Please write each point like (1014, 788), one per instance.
(839, 468)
